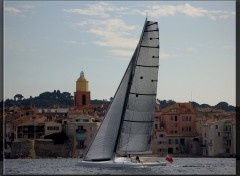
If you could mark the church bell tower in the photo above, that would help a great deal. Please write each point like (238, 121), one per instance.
(82, 94)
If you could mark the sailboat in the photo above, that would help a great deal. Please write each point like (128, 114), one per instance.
(127, 126)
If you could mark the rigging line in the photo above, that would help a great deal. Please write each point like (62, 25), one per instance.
(147, 66)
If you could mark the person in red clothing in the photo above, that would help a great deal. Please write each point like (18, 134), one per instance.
(169, 159)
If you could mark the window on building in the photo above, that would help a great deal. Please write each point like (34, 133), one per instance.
(216, 126)
(190, 129)
(84, 100)
(156, 126)
(172, 118)
(175, 131)
(53, 128)
(205, 134)
(183, 119)
(190, 119)
(30, 135)
(169, 141)
(175, 118)
(80, 127)
(81, 143)
(161, 135)
(182, 141)
(161, 142)
(218, 133)
(176, 141)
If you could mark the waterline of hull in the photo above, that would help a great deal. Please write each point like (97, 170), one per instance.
(119, 163)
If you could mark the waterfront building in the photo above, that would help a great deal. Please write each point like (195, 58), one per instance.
(34, 127)
(175, 130)
(29, 127)
(80, 130)
(53, 113)
(51, 127)
(219, 137)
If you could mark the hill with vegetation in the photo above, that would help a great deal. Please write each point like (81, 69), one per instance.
(65, 99)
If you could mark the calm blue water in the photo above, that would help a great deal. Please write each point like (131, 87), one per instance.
(181, 166)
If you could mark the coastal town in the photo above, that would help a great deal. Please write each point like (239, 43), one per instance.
(180, 129)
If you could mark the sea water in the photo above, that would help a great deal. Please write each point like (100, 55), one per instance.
(65, 166)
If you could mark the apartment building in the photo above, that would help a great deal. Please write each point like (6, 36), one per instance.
(81, 130)
(219, 137)
(175, 130)
(34, 127)
(53, 113)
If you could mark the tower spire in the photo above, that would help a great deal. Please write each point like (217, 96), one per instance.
(81, 74)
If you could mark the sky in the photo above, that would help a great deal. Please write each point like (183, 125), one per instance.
(48, 43)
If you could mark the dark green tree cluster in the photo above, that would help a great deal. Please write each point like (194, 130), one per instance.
(44, 100)
(166, 103)
(65, 99)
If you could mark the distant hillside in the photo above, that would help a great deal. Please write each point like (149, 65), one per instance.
(65, 99)
(47, 99)
(222, 105)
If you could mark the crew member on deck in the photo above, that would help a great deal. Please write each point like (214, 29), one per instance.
(137, 159)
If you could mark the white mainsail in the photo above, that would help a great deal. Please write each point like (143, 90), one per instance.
(127, 126)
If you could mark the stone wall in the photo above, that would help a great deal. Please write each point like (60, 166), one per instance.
(21, 149)
(39, 148)
(45, 148)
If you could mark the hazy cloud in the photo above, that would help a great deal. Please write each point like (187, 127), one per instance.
(98, 9)
(191, 49)
(103, 9)
(186, 9)
(228, 47)
(111, 32)
(19, 9)
(126, 53)
(164, 55)
(12, 10)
